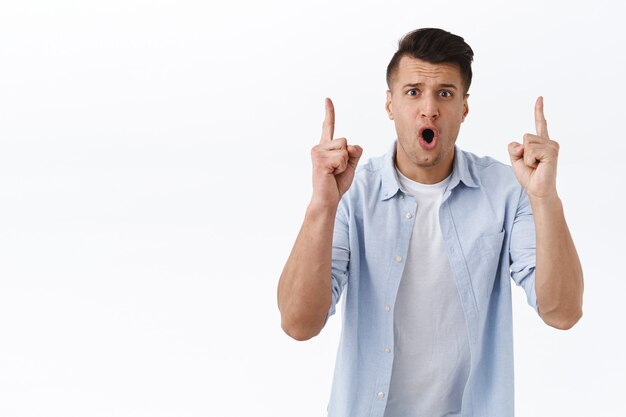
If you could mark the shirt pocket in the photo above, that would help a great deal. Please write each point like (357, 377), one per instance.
(491, 245)
(486, 265)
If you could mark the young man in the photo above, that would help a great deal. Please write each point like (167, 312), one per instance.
(424, 244)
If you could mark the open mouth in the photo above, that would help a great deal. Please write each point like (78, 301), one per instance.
(428, 135)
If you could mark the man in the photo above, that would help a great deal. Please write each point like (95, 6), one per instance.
(424, 245)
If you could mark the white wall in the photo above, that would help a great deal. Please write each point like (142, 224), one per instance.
(154, 171)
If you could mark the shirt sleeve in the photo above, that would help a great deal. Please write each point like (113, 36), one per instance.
(341, 256)
(523, 249)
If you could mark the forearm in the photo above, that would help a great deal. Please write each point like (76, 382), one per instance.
(558, 273)
(304, 289)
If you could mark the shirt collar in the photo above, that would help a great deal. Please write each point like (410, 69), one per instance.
(390, 183)
(461, 170)
(460, 173)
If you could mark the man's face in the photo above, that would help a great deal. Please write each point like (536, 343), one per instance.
(424, 97)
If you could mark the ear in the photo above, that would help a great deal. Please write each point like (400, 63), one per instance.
(388, 107)
(465, 107)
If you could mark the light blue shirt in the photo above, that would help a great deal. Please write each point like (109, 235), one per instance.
(489, 233)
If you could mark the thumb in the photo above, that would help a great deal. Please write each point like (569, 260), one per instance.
(516, 151)
(354, 154)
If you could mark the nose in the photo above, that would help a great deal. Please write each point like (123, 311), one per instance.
(430, 108)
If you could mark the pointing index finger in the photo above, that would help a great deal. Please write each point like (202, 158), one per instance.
(540, 120)
(328, 127)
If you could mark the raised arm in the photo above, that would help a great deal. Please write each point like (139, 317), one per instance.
(304, 289)
(558, 273)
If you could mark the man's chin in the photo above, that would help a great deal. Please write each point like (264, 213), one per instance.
(428, 161)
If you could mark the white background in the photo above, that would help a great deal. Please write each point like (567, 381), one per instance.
(154, 171)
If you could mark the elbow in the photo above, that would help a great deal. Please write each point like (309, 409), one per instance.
(302, 325)
(302, 321)
(300, 332)
(563, 321)
(565, 310)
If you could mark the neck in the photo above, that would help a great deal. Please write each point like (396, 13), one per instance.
(426, 173)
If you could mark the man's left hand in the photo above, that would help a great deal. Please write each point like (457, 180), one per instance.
(534, 162)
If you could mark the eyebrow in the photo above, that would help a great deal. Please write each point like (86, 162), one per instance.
(446, 85)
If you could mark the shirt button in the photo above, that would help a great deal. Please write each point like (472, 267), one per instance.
(408, 215)
(401, 196)
(398, 258)
(381, 394)
(387, 350)
(387, 308)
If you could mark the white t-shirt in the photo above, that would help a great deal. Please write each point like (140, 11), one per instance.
(431, 353)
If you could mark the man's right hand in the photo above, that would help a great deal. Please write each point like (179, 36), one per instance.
(305, 286)
(334, 163)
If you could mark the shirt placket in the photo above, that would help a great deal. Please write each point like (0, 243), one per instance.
(405, 210)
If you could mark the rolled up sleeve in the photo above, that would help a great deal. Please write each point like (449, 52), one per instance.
(523, 249)
(340, 257)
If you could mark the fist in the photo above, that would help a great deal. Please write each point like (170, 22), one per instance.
(534, 162)
(334, 163)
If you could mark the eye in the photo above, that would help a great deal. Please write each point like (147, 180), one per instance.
(445, 93)
(412, 92)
